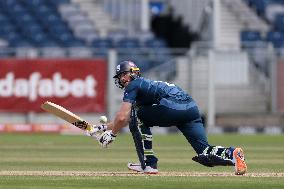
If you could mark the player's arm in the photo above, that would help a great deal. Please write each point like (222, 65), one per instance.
(123, 115)
(121, 119)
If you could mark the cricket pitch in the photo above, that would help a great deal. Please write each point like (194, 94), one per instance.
(129, 174)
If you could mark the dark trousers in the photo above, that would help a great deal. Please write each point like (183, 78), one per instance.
(187, 121)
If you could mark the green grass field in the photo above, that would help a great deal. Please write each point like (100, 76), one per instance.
(54, 161)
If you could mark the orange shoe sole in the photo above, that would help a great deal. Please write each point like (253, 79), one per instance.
(240, 164)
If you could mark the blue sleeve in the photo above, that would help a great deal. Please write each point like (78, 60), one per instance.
(130, 92)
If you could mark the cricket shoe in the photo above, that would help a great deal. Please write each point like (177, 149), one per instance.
(137, 167)
(239, 159)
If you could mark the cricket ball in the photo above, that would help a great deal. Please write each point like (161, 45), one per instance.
(103, 119)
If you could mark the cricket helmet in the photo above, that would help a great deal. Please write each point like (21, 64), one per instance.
(123, 67)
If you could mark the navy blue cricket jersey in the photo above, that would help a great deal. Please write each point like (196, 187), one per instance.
(145, 92)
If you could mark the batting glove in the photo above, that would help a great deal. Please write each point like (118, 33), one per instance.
(99, 128)
(106, 138)
(96, 131)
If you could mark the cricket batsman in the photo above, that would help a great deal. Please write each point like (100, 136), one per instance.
(163, 104)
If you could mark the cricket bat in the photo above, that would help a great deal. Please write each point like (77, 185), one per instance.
(67, 115)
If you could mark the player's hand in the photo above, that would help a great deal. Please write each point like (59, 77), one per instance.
(99, 128)
(106, 138)
(96, 130)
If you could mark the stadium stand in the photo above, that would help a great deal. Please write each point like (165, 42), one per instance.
(272, 11)
(256, 41)
(65, 28)
(276, 38)
(250, 36)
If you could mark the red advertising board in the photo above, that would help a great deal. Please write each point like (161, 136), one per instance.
(77, 84)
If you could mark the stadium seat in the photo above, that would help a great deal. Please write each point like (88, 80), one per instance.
(4, 18)
(103, 43)
(58, 2)
(61, 23)
(250, 39)
(272, 10)
(73, 43)
(276, 38)
(6, 29)
(101, 46)
(6, 4)
(67, 10)
(59, 28)
(155, 43)
(37, 22)
(116, 35)
(32, 29)
(100, 52)
(86, 34)
(13, 37)
(260, 5)
(250, 36)
(128, 43)
(20, 43)
(279, 22)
